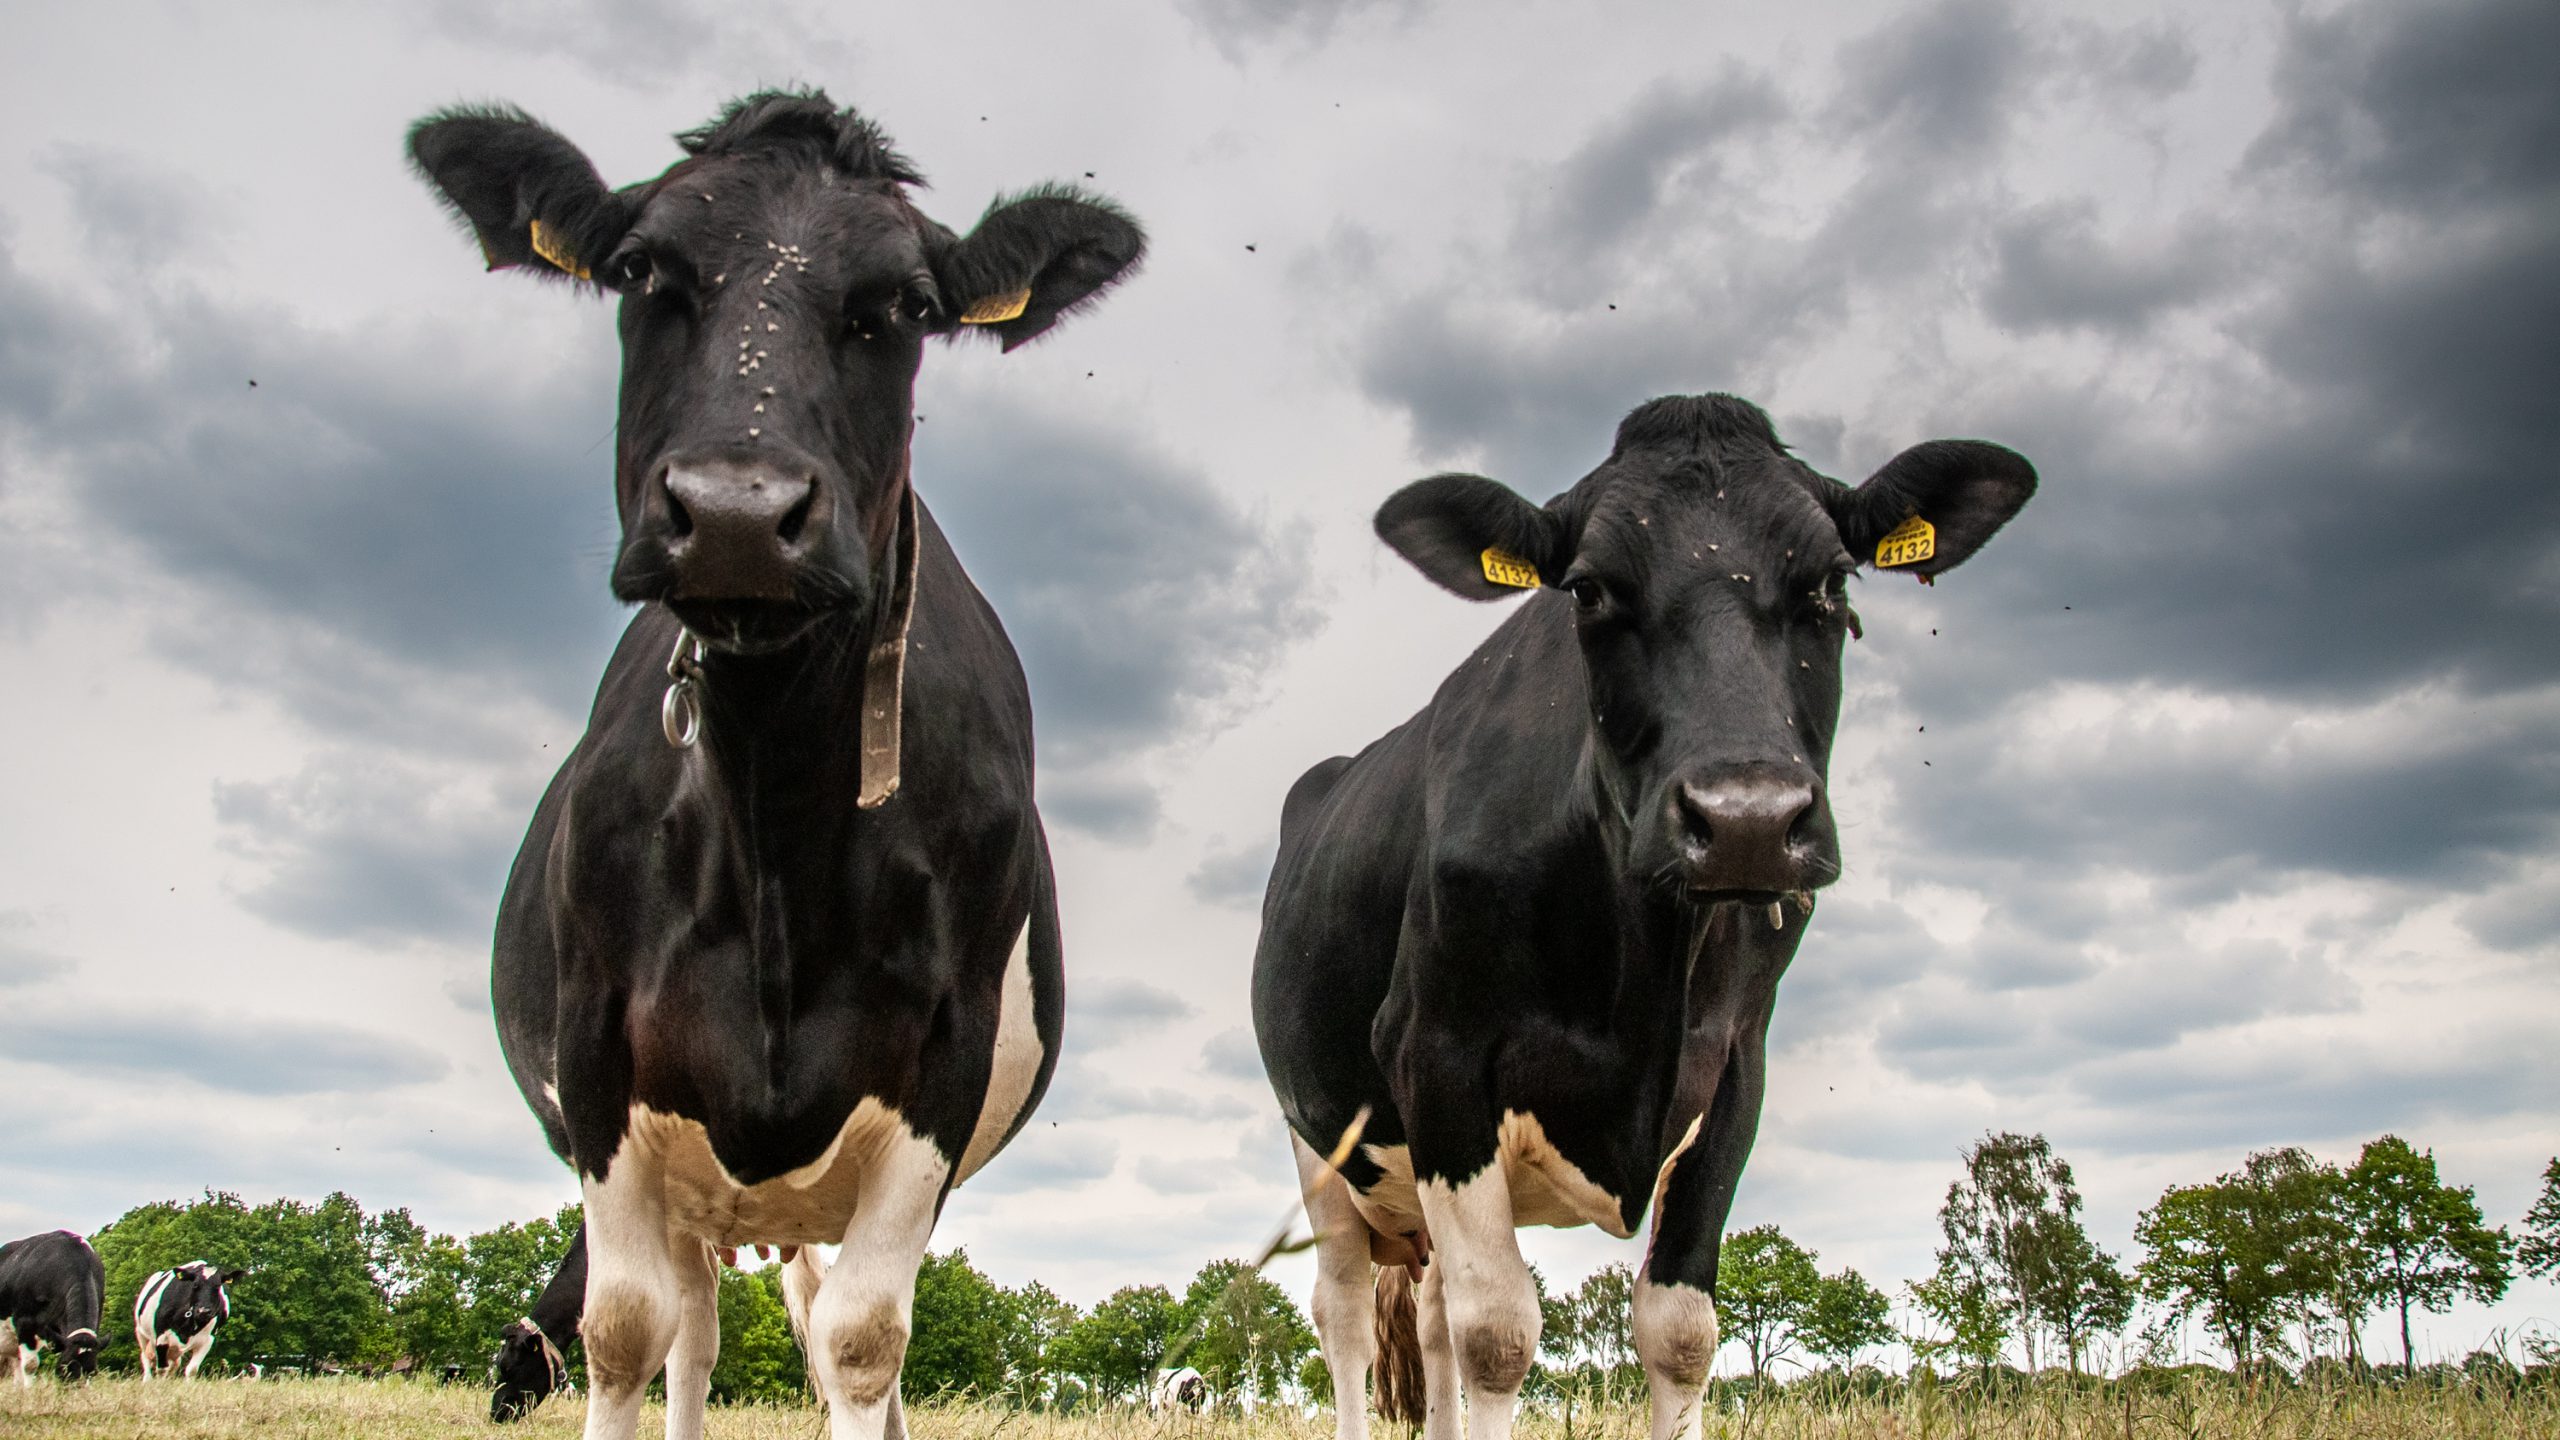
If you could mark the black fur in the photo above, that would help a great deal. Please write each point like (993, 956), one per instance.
(1514, 901)
(52, 1290)
(525, 1370)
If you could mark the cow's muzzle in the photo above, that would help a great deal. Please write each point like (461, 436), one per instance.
(1746, 834)
(738, 530)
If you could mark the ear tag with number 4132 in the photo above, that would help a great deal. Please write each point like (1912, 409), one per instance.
(1504, 568)
(1908, 543)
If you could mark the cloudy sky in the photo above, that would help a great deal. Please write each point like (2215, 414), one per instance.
(2212, 807)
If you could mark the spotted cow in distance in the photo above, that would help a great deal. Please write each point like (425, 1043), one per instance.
(778, 961)
(52, 1292)
(174, 1315)
(1536, 930)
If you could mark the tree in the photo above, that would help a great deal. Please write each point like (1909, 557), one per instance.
(1765, 1285)
(1976, 1323)
(2079, 1290)
(1846, 1316)
(2014, 1200)
(2538, 1249)
(1035, 1321)
(1604, 1317)
(2252, 1250)
(1115, 1348)
(956, 1344)
(1250, 1337)
(760, 1362)
(2418, 1241)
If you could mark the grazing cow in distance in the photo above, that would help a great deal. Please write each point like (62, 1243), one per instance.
(532, 1351)
(52, 1292)
(778, 961)
(1537, 929)
(174, 1314)
(1185, 1388)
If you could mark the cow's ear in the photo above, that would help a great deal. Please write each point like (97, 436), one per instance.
(1933, 505)
(1035, 257)
(234, 1277)
(1475, 537)
(530, 197)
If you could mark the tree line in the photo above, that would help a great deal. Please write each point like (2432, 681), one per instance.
(2285, 1259)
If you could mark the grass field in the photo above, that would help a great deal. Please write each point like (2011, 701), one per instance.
(397, 1410)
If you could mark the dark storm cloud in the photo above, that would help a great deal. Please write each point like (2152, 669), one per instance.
(219, 1050)
(1234, 1055)
(1045, 1157)
(649, 43)
(1102, 1013)
(1237, 27)
(359, 851)
(1142, 601)
(2056, 271)
(1942, 81)
(1234, 875)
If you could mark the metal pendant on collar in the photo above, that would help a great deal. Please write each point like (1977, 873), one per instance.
(680, 711)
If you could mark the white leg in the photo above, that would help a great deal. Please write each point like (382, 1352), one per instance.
(142, 1342)
(864, 1307)
(1345, 1302)
(634, 1295)
(1675, 1329)
(1442, 1419)
(1489, 1299)
(801, 1276)
(197, 1349)
(697, 1343)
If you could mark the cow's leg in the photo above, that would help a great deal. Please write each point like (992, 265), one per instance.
(697, 1343)
(197, 1349)
(1345, 1302)
(12, 1353)
(859, 1322)
(142, 1342)
(1675, 1312)
(1442, 1417)
(1490, 1302)
(634, 1293)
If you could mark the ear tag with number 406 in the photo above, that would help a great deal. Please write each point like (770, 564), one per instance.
(1504, 568)
(1908, 543)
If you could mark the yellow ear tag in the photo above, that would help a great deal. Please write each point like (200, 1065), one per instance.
(1504, 568)
(1908, 543)
(547, 244)
(997, 309)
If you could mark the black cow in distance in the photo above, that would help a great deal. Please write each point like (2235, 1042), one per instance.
(779, 960)
(1537, 929)
(52, 1292)
(174, 1315)
(532, 1351)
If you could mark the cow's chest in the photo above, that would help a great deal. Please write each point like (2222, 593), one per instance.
(1545, 1187)
(806, 1206)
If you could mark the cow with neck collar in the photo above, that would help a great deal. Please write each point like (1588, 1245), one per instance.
(779, 960)
(1536, 931)
(52, 1292)
(175, 1314)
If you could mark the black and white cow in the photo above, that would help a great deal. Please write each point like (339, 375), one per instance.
(532, 1351)
(1538, 928)
(52, 1290)
(779, 959)
(174, 1314)
(1182, 1388)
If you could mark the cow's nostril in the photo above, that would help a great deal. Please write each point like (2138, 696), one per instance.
(796, 519)
(679, 519)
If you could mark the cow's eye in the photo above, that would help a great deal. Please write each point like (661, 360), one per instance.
(629, 271)
(1590, 597)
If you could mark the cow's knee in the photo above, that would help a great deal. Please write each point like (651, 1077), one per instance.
(1675, 1332)
(1494, 1330)
(627, 1330)
(864, 1350)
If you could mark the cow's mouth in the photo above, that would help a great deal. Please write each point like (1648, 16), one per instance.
(746, 627)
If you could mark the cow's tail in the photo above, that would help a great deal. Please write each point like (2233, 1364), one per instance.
(1399, 1334)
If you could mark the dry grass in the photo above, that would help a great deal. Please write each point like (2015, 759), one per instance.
(343, 1409)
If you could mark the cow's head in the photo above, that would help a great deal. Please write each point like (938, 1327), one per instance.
(777, 286)
(529, 1369)
(202, 1296)
(80, 1354)
(1705, 571)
